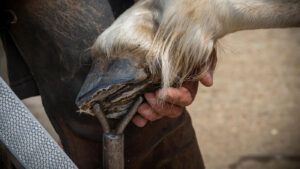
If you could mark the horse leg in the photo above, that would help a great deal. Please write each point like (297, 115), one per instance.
(53, 38)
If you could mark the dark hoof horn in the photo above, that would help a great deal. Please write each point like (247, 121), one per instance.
(114, 87)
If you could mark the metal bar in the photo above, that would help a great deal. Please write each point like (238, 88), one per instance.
(101, 117)
(113, 151)
(121, 127)
(113, 140)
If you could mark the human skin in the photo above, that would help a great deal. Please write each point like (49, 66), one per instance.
(176, 99)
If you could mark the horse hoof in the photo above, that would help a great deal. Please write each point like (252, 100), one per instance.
(114, 87)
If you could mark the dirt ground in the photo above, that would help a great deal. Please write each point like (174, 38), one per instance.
(253, 109)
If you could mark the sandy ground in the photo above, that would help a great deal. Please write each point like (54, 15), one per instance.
(254, 106)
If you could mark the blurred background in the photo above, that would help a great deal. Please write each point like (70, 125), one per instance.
(250, 118)
(253, 109)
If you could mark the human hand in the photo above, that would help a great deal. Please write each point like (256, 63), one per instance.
(175, 100)
(173, 104)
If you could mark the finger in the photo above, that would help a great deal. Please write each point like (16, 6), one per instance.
(178, 96)
(139, 121)
(207, 79)
(163, 108)
(148, 113)
(192, 86)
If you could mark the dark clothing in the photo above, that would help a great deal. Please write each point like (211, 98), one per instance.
(20, 78)
(47, 55)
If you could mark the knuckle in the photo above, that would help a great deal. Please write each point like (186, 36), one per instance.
(188, 100)
(158, 107)
(147, 112)
(144, 107)
(150, 116)
(185, 91)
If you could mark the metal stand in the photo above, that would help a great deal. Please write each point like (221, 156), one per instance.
(113, 139)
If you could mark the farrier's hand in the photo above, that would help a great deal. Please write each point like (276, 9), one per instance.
(173, 105)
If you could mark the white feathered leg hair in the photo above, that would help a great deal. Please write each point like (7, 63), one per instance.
(176, 37)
